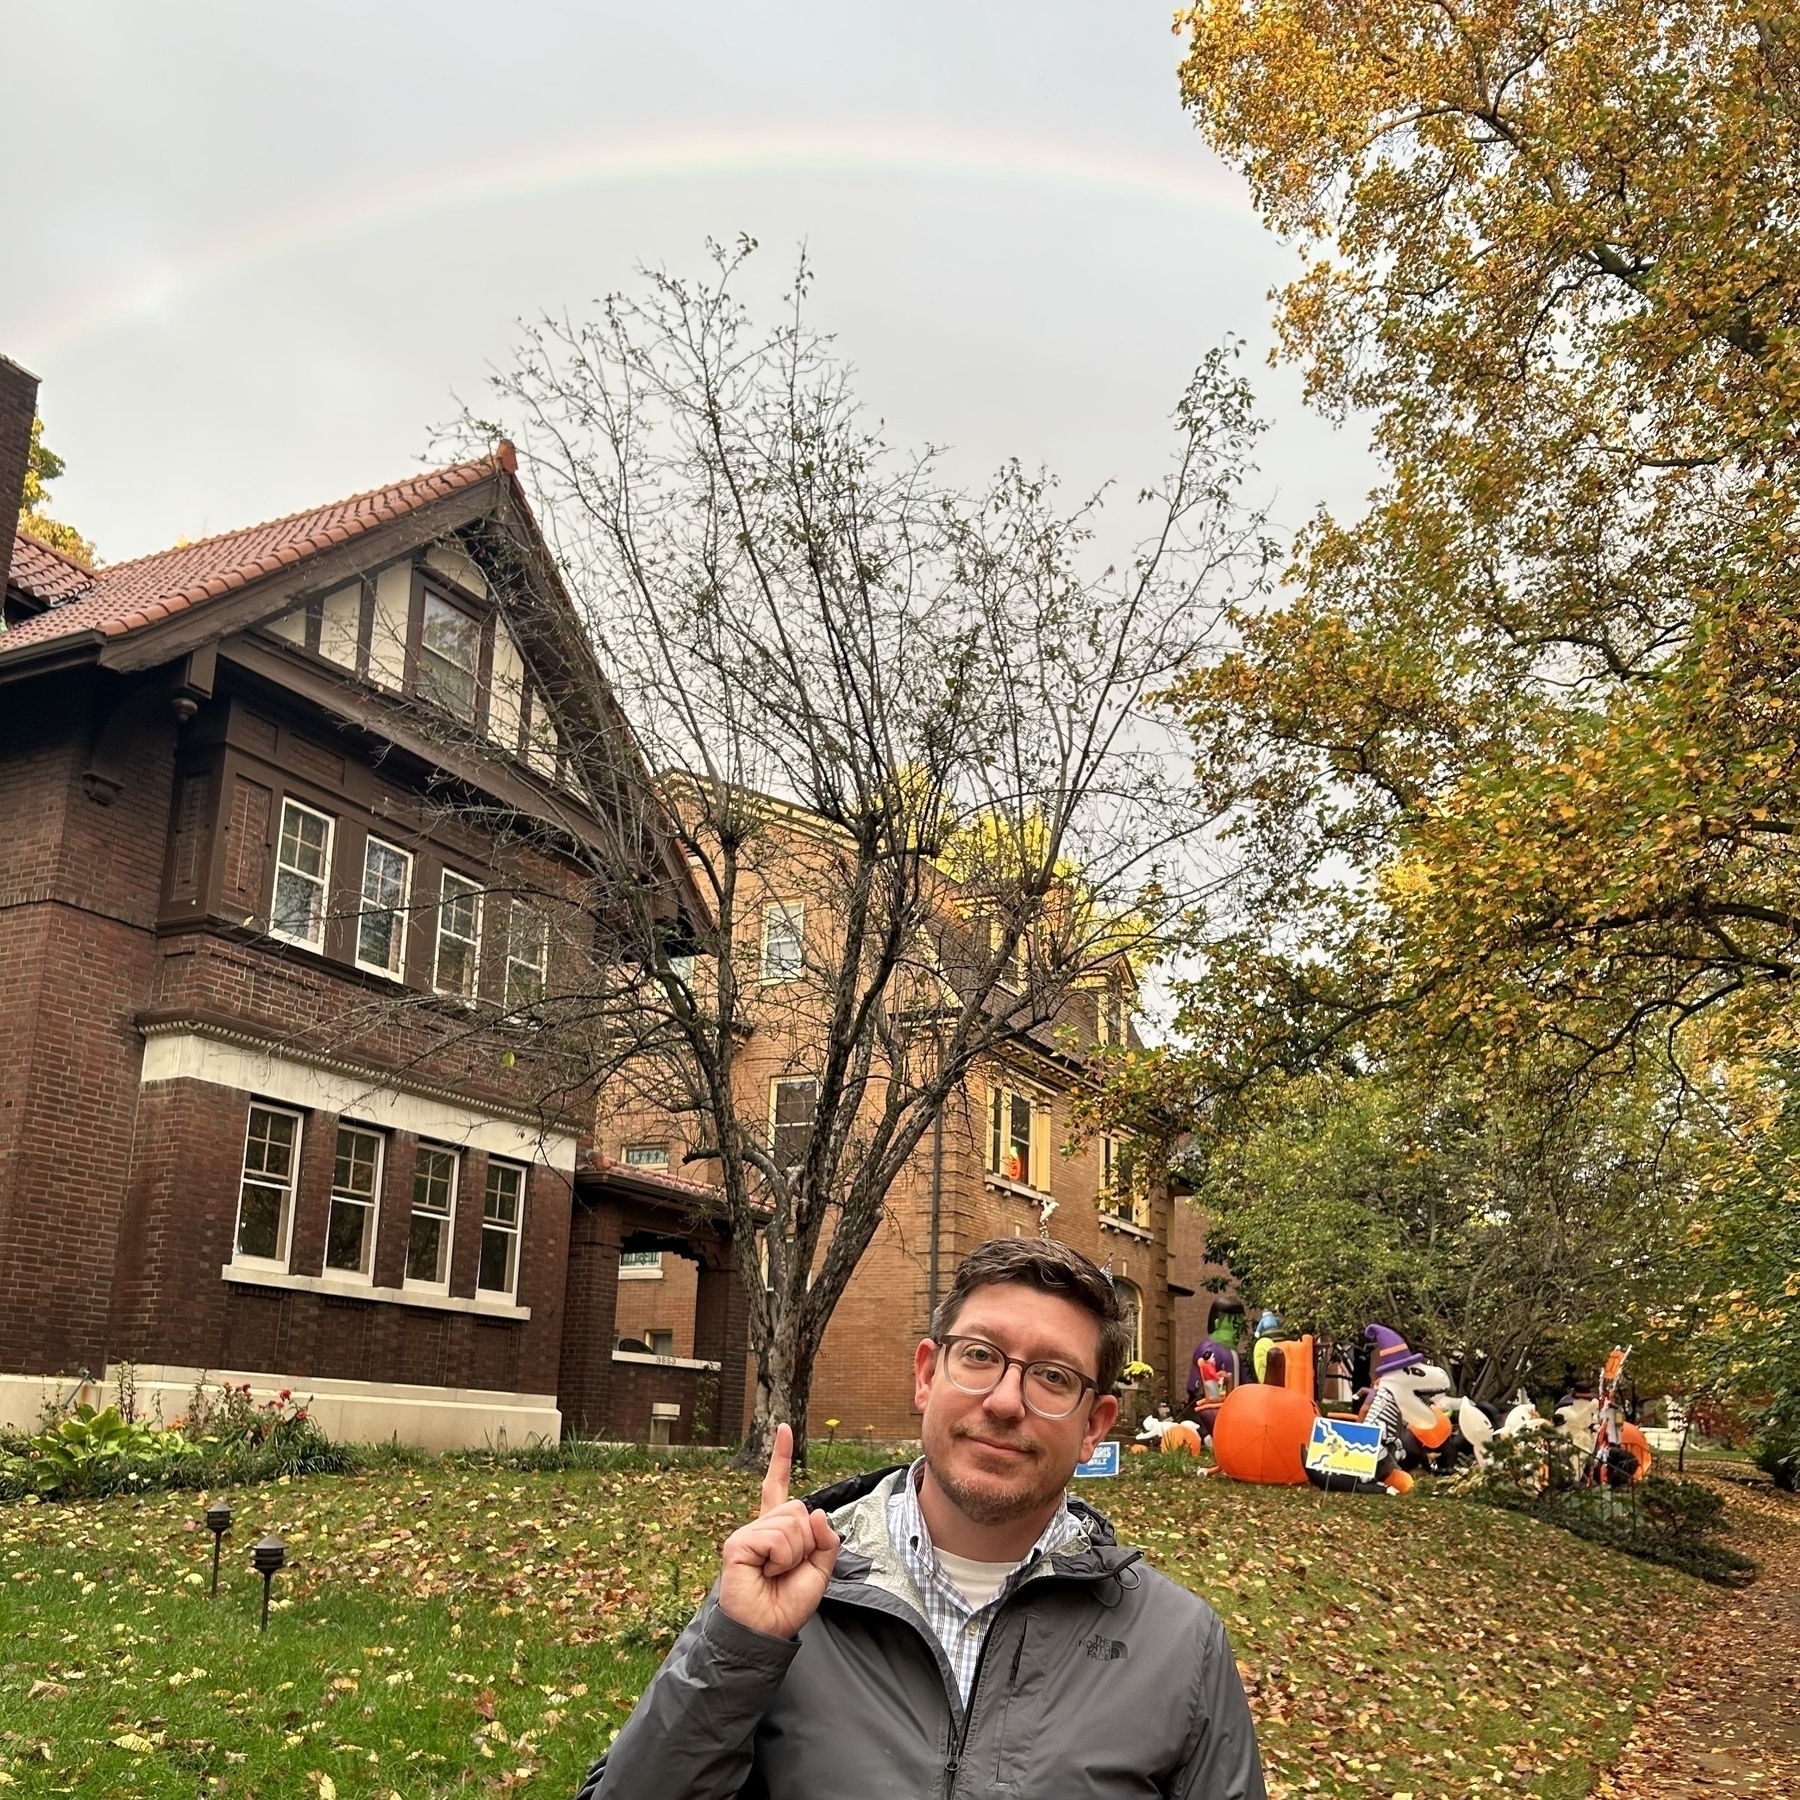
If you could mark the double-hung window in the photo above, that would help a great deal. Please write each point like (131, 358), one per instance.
(458, 959)
(783, 924)
(449, 656)
(527, 954)
(1016, 1137)
(1117, 1195)
(355, 1197)
(302, 875)
(433, 1210)
(266, 1194)
(381, 925)
(792, 1105)
(502, 1208)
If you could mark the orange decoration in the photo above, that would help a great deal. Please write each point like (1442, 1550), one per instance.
(1182, 1436)
(1434, 1435)
(1261, 1432)
(1140, 1449)
(1639, 1446)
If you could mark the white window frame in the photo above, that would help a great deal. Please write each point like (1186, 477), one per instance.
(646, 1156)
(776, 1084)
(789, 919)
(430, 687)
(401, 911)
(284, 1228)
(649, 1269)
(447, 1239)
(369, 1206)
(321, 882)
(497, 1227)
(1137, 1335)
(473, 890)
(540, 967)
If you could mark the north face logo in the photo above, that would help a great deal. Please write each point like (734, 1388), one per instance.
(1105, 1649)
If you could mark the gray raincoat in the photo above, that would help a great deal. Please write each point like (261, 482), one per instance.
(1099, 1677)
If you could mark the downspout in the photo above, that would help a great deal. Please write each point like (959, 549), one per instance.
(937, 1206)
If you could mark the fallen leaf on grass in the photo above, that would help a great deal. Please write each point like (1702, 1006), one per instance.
(47, 1690)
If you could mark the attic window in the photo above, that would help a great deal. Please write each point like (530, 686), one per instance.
(449, 654)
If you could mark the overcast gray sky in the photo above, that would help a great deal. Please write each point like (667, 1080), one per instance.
(256, 250)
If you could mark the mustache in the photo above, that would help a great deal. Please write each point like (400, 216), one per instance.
(997, 1437)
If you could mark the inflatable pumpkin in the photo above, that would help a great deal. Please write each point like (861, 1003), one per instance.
(1260, 1435)
(1181, 1436)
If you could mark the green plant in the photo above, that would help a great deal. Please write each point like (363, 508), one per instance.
(99, 1451)
(1675, 1523)
(228, 1414)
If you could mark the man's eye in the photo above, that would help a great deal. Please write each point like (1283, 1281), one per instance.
(1053, 1377)
(980, 1353)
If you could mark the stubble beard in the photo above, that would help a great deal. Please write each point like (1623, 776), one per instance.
(991, 1500)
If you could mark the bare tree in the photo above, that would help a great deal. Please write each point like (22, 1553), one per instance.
(916, 712)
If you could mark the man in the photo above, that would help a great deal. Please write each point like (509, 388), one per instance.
(956, 1628)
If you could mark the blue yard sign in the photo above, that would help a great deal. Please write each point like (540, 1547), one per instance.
(1342, 1447)
(1104, 1461)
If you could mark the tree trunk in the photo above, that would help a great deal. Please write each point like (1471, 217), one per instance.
(784, 1372)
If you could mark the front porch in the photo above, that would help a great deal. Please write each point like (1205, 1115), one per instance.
(637, 1391)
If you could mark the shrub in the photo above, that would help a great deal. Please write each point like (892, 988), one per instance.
(228, 1415)
(1670, 1522)
(1776, 1446)
(97, 1452)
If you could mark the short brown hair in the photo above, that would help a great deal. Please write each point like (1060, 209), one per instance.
(1051, 1268)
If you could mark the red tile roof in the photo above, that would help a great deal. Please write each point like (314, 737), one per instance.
(46, 575)
(126, 596)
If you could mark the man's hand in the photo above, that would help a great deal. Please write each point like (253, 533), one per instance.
(775, 1569)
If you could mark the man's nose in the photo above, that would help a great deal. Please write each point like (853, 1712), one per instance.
(1006, 1398)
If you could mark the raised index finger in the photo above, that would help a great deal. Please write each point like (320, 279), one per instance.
(781, 1464)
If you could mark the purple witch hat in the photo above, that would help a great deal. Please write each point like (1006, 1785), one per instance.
(1390, 1354)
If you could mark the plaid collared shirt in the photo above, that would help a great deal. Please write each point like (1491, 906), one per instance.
(960, 1628)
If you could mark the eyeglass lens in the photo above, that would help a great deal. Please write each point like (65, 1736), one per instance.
(1048, 1388)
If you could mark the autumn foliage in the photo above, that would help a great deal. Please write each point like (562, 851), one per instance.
(1511, 771)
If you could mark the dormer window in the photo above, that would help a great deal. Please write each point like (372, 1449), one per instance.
(449, 656)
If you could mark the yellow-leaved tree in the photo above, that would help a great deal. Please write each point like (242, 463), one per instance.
(1520, 749)
(43, 467)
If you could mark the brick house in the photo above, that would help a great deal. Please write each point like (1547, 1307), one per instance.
(997, 1166)
(266, 1105)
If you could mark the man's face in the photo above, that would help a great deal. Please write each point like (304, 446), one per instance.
(993, 1457)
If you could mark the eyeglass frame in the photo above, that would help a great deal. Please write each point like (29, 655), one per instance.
(1088, 1383)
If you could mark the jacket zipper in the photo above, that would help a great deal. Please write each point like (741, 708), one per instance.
(962, 1737)
(954, 1763)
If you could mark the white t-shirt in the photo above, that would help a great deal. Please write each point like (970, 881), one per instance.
(977, 1582)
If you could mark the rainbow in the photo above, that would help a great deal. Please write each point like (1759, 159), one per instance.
(1202, 186)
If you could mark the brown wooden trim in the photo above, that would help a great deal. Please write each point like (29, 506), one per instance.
(376, 714)
(174, 636)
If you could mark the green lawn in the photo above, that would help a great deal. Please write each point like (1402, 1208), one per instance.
(452, 1627)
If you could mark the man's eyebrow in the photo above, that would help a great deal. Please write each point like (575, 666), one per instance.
(1055, 1355)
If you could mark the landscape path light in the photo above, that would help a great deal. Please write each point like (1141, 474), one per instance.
(218, 1522)
(269, 1555)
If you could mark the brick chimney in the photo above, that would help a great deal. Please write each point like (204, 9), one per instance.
(18, 407)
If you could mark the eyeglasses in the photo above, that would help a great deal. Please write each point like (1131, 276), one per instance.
(1052, 1390)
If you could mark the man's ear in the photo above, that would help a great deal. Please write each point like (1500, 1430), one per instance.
(1100, 1422)
(924, 1367)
